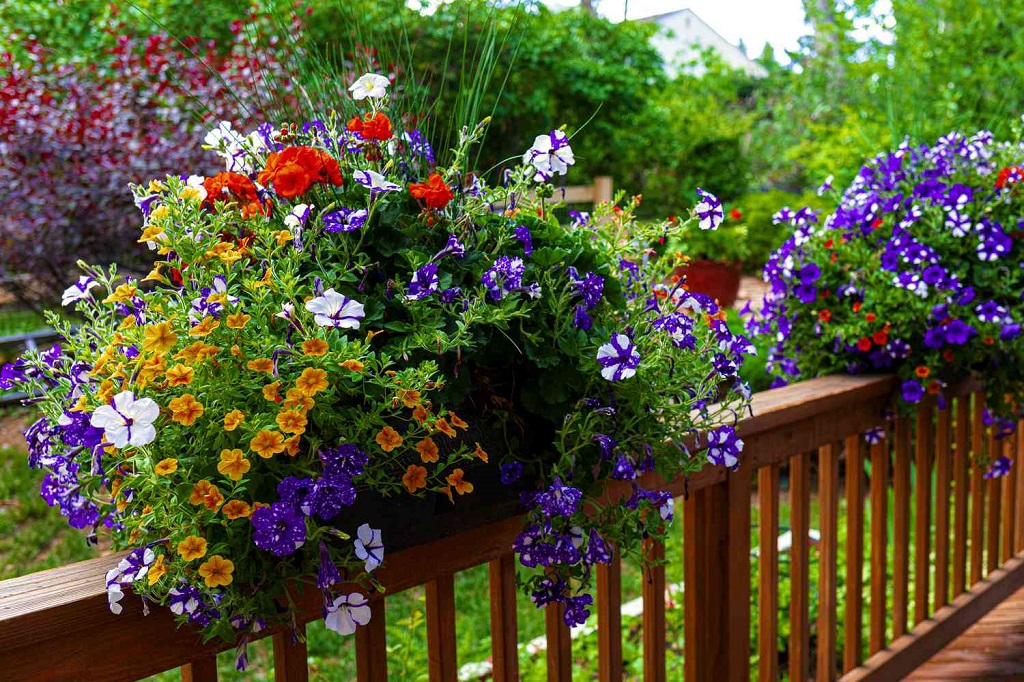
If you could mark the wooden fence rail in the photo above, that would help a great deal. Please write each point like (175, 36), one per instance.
(804, 444)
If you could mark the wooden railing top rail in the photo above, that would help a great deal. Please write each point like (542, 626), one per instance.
(56, 624)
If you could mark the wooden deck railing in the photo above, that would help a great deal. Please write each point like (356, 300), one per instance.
(956, 539)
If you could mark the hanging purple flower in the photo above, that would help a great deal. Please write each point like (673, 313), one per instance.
(581, 320)
(453, 248)
(708, 210)
(618, 358)
(505, 276)
(912, 391)
(874, 435)
(328, 573)
(424, 283)
(723, 447)
(559, 500)
(278, 529)
(510, 472)
(523, 235)
(597, 551)
(999, 468)
(345, 220)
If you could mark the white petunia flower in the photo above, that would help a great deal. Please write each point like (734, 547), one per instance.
(369, 546)
(550, 154)
(369, 85)
(346, 613)
(127, 421)
(375, 182)
(79, 291)
(332, 309)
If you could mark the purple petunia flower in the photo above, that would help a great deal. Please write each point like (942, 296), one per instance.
(999, 467)
(708, 210)
(523, 235)
(723, 447)
(618, 358)
(580, 319)
(345, 220)
(559, 500)
(912, 391)
(504, 277)
(278, 529)
(510, 472)
(424, 283)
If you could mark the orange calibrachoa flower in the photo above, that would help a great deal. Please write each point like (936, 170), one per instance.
(159, 339)
(197, 352)
(434, 192)
(180, 375)
(216, 571)
(238, 320)
(311, 381)
(388, 439)
(293, 170)
(296, 399)
(481, 453)
(427, 449)
(444, 427)
(270, 392)
(236, 509)
(264, 365)
(409, 398)
(204, 328)
(315, 347)
(233, 464)
(206, 494)
(455, 480)
(291, 446)
(151, 368)
(233, 419)
(415, 478)
(157, 570)
(165, 467)
(353, 365)
(456, 422)
(185, 409)
(922, 372)
(266, 443)
(420, 414)
(291, 421)
(192, 547)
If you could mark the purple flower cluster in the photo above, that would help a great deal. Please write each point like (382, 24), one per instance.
(504, 277)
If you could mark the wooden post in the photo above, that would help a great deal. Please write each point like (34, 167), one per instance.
(200, 670)
(504, 626)
(854, 551)
(603, 189)
(768, 574)
(290, 656)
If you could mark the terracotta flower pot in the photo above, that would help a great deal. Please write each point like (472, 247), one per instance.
(720, 281)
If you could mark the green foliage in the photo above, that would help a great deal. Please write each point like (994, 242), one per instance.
(762, 234)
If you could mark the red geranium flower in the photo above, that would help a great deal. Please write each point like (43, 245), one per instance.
(228, 186)
(864, 344)
(736, 214)
(880, 337)
(377, 127)
(1009, 176)
(293, 170)
(434, 192)
(825, 315)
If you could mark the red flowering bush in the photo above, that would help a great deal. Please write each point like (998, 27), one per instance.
(73, 137)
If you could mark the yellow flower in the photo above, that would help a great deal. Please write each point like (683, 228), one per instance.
(151, 368)
(233, 419)
(282, 237)
(427, 449)
(270, 392)
(190, 193)
(353, 365)
(265, 365)
(157, 570)
(291, 421)
(204, 328)
(409, 398)
(165, 467)
(197, 352)
(125, 292)
(295, 399)
(455, 480)
(159, 213)
(106, 391)
(206, 494)
(185, 409)
(311, 381)
(180, 375)
(233, 464)
(152, 233)
(192, 547)
(216, 571)
(154, 275)
(267, 443)
(236, 509)
(238, 320)
(388, 439)
(480, 453)
(236, 351)
(231, 257)
(420, 414)
(291, 446)
(315, 347)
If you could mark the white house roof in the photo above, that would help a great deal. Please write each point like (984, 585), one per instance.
(684, 35)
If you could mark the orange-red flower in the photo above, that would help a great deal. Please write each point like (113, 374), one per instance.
(293, 170)
(388, 439)
(206, 494)
(427, 449)
(415, 478)
(864, 344)
(921, 371)
(1009, 176)
(455, 480)
(824, 315)
(376, 127)
(434, 192)
(228, 186)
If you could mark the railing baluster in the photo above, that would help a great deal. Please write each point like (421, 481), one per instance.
(901, 527)
(1009, 496)
(372, 646)
(654, 614)
(559, 642)
(504, 624)
(943, 460)
(854, 551)
(828, 509)
(440, 617)
(609, 620)
(977, 490)
(768, 573)
(799, 591)
(1018, 513)
(879, 542)
(960, 492)
(200, 670)
(995, 505)
(290, 663)
(923, 445)
(737, 560)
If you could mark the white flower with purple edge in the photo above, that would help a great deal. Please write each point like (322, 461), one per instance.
(127, 421)
(550, 154)
(619, 358)
(369, 546)
(346, 613)
(79, 291)
(375, 182)
(345, 220)
(332, 309)
(297, 217)
(708, 210)
(370, 85)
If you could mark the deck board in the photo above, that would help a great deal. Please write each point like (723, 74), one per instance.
(992, 649)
